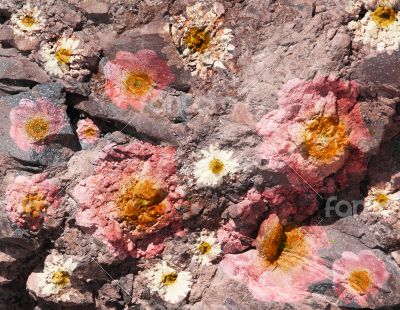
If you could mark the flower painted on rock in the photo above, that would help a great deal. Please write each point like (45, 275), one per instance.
(206, 248)
(57, 274)
(202, 41)
(359, 277)
(35, 123)
(380, 26)
(131, 198)
(283, 265)
(171, 285)
(28, 21)
(383, 200)
(135, 79)
(88, 132)
(61, 58)
(30, 200)
(317, 131)
(214, 165)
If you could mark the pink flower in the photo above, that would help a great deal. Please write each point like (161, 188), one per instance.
(88, 132)
(359, 277)
(135, 79)
(284, 264)
(30, 200)
(318, 130)
(35, 123)
(130, 198)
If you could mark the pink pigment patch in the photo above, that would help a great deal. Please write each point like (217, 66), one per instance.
(274, 283)
(38, 186)
(28, 109)
(143, 62)
(367, 261)
(283, 129)
(88, 132)
(97, 195)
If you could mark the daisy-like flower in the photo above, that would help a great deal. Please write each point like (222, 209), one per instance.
(57, 273)
(31, 200)
(27, 21)
(171, 285)
(380, 27)
(61, 57)
(359, 277)
(214, 165)
(206, 248)
(35, 123)
(88, 132)
(135, 79)
(201, 39)
(382, 200)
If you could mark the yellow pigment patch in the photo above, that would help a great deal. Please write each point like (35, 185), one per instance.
(325, 138)
(60, 278)
(140, 203)
(216, 166)
(359, 280)
(63, 55)
(382, 199)
(138, 83)
(284, 249)
(383, 16)
(204, 248)
(169, 278)
(37, 128)
(197, 40)
(28, 21)
(33, 204)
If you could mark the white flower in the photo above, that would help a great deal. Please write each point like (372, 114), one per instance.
(382, 200)
(171, 285)
(59, 57)
(27, 21)
(214, 165)
(200, 38)
(379, 28)
(206, 249)
(57, 274)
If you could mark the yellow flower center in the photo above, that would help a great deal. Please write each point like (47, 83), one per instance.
(284, 249)
(382, 199)
(60, 278)
(33, 204)
(359, 280)
(28, 21)
(216, 166)
(63, 55)
(204, 247)
(197, 40)
(37, 128)
(383, 16)
(325, 138)
(140, 203)
(169, 278)
(90, 132)
(138, 83)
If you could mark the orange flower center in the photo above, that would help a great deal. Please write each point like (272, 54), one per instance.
(63, 55)
(383, 16)
(325, 138)
(28, 21)
(216, 166)
(33, 204)
(382, 199)
(60, 278)
(37, 128)
(138, 83)
(197, 40)
(359, 280)
(140, 203)
(90, 132)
